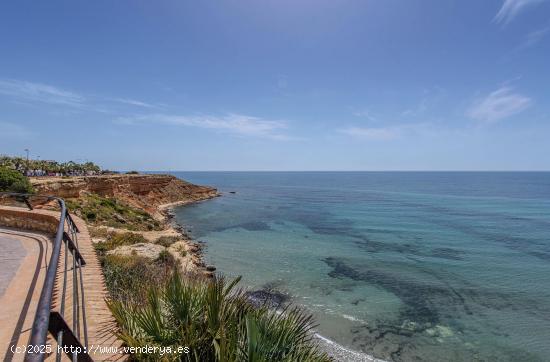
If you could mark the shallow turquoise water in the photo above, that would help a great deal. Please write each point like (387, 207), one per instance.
(404, 266)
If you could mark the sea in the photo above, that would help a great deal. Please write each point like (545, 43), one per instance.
(402, 266)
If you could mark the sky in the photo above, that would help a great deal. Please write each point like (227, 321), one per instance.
(278, 84)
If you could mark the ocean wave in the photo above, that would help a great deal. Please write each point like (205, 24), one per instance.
(353, 319)
(341, 353)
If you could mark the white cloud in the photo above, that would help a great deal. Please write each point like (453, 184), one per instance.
(372, 133)
(500, 104)
(511, 8)
(534, 37)
(29, 91)
(367, 114)
(233, 123)
(23, 91)
(392, 132)
(431, 99)
(134, 102)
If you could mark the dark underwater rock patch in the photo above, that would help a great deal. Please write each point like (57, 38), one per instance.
(255, 226)
(373, 246)
(537, 248)
(540, 255)
(357, 301)
(249, 226)
(416, 297)
(268, 297)
(447, 253)
(427, 302)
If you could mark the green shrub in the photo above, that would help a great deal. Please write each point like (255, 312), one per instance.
(114, 240)
(14, 181)
(98, 210)
(127, 238)
(166, 241)
(181, 250)
(216, 322)
(99, 232)
(166, 259)
(126, 277)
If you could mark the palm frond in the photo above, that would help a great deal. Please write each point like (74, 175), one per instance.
(217, 322)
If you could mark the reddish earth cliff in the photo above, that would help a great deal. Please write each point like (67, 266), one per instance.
(151, 193)
(147, 192)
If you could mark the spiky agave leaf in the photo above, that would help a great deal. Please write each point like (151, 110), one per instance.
(184, 300)
(285, 336)
(217, 322)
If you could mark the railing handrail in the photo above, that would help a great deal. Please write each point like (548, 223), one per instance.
(42, 322)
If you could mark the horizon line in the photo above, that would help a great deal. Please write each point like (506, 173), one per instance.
(339, 170)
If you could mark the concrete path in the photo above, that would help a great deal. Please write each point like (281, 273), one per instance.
(12, 254)
(23, 263)
(22, 271)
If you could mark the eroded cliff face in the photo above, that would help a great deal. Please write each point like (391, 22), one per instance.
(147, 192)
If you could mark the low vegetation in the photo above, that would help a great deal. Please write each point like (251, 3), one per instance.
(216, 322)
(13, 181)
(113, 240)
(98, 210)
(181, 251)
(126, 276)
(155, 305)
(166, 241)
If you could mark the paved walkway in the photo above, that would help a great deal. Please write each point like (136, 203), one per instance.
(22, 272)
(23, 263)
(12, 255)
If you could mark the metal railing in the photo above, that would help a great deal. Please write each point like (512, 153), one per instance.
(73, 341)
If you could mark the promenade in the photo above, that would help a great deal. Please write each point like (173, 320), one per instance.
(24, 257)
(22, 270)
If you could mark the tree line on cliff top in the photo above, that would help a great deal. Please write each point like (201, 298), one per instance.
(32, 167)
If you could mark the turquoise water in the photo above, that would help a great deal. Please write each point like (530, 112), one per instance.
(403, 266)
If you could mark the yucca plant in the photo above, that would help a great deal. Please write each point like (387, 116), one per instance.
(216, 322)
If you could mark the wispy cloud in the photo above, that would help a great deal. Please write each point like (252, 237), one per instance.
(37, 92)
(372, 133)
(511, 8)
(390, 132)
(134, 102)
(534, 37)
(367, 114)
(430, 99)
(32, 92)
(498, 105)
(233, 123)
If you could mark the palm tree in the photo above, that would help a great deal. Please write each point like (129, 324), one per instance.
(216, 322)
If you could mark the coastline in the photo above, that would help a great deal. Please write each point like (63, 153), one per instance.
(197, 232)
(194, 261)
(169, 207)
(160, 196)
(332, 348)
(155, 194)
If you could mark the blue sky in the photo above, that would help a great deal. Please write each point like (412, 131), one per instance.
(278, 85)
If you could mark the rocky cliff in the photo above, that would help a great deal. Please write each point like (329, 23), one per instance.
(148, 192)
